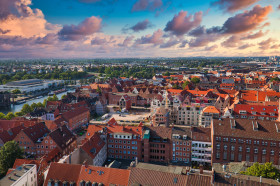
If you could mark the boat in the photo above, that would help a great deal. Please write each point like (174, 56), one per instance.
(39, 97)
(60, 91)
(20, 102)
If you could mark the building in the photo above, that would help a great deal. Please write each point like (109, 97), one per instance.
(84, 175)
(74, 119)
(5, 99)
(25, 174)
(30, 85)
(260, 112)
(201, 145)
(207, 114)
(181, 144)
(94, 150)
(157, 144)
(189, 114)
(31, 137)
(236, 140)
(161, 117)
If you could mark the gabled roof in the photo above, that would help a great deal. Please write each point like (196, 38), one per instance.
(93, 145)
(140, 176)
(211, 109)
(10, 134)
(62, 136)
(106, 176)
(112, 122)
(37, 131)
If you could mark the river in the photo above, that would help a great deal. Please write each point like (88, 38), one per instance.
(17, 108)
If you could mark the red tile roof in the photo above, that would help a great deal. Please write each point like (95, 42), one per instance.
(37, 131)
(10, 134)
(258, 109)
(93, 145)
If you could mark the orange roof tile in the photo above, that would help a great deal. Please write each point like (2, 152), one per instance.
(211, 109)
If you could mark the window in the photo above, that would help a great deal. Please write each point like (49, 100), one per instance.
(225, 147)
(240, 149)
(256, 150)
(218, 155)
(272, 152)
(248, 149)
(263, 151)
(218, 146)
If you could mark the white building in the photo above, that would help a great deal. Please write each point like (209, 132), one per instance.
(25, 174)
(30, 85)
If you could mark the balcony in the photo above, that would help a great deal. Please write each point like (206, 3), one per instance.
(207, 154)
(202, 148)
(201, 160)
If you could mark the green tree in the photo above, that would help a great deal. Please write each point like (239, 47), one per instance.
(45, 102)
(64, 96)
(265, 170)
(16, 91)
(166, 74)
(40, 105)
(10, 116)
(55, 98)
(26, 108)
(2, 115)
(98, 90)
(195, 80)
(17, 114)
(33, 106)
(185, 84)
(8, 154)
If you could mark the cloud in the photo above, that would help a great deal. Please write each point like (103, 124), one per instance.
(211, 48)
(246, 21)
(275, 46)
(182, 24)
(233, 41)
(150, 5)
(48, 39)
(183, 43)
(171, 42)
(142, 25)
(98, 41)
(264, 45)
(155, 38)
(4, 31)
(77, 32)
(255, 35)
(234, 5)
(204, 40)
(127, 41)
(245, 46)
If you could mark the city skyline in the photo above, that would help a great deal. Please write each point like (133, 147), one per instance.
(139, 28)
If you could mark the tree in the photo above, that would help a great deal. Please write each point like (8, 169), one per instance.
(55, 98)
(45, 102)
(26, 109)
(195, 80)
(166, 74)
(64, 96)
(33, 106)
(98, 90)
(265, 170)
(2, 115)
(8, 154)
(185, 84)
(17, 114)
(10, 116)
(16, 91)
(40, 105)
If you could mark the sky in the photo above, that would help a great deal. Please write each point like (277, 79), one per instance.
(138, 28)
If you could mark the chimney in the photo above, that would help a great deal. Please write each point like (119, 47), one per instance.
(200, 169)
(85, 163)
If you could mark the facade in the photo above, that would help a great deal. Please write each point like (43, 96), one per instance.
(207, 114)
(236, 140)
(181, 144)
(189, 114)
(201, 145)
(161, 117)
(5, 99)
(25, 174)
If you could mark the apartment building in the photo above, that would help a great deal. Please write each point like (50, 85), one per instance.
(236, 140)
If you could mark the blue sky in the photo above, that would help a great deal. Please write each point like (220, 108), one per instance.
(153, 28)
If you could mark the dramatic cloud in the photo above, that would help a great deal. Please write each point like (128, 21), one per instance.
(234, 5)
(231, 42)
(242, 47)
(142, 25)
(155, 39)
(48, 39)
(98, 41)
(182, 24)
(73, 33)
(150, 5)
(264, 45)
(246, 21)
(211, 48)
(171, 42)
(4, 31)
(127, 41)
(255, 36)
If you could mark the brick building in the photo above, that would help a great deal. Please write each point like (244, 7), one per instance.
(245, 140)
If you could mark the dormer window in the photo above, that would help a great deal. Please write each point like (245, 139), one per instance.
(263, 108)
